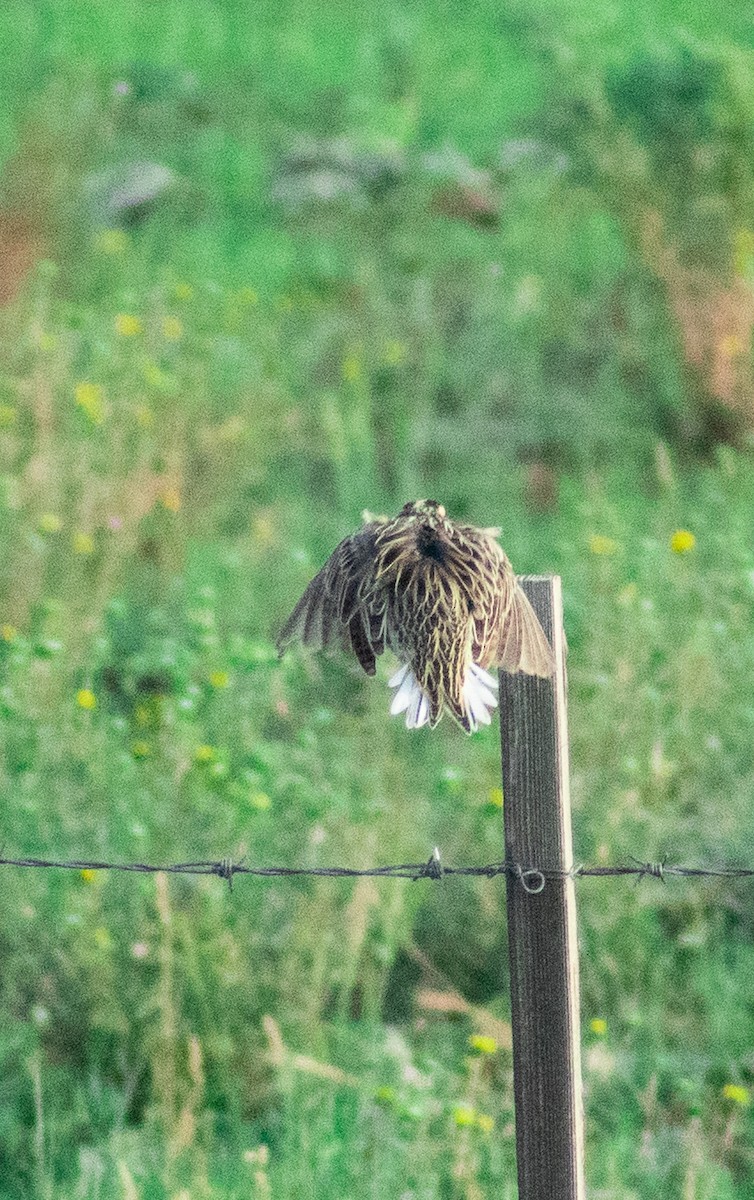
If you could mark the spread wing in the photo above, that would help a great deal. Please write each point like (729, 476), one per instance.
(522, 645)
(334, 611)
(507, 632)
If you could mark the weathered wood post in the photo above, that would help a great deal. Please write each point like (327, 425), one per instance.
(542, 920)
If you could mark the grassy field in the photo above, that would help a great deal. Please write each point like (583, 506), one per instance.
(287, 263)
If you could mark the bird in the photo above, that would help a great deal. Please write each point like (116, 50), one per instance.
(442, 596)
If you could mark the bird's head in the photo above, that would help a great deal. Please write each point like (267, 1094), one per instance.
(427, 512)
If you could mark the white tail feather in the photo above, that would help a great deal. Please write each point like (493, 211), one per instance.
(398, 678)
(409, 698)
(478, 694)
(483, 675)
(408, 692)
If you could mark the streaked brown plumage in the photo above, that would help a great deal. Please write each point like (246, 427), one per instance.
(442, 596)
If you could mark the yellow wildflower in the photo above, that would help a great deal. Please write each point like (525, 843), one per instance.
(495, 797)
(171, 499)
(744, 240)
(351, 368)
(743, 250)
(464, 1115)
(83, 543)
(183, 291)
(143, 715)
(736, 1093)
(126, 325)
(102, 939)
(485, 1045)
(90, 398)
(87, 875)
(601, 545)
(247, 296)
(205, 754)
(263, 530)
(144, 416)
(219, 679)
(156, 377)
(7, 416)
(50, 523)
(485, 1122)
(395, 353)
(172, 329)
(682, 541)
(732, 346)
(8, 633)
(260, 800)
(598, 1025)
(85, 698)
(111, 241)
(141, 749)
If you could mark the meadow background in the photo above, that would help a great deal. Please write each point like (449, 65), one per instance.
(264, 266)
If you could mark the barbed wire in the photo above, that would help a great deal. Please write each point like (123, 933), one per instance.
(532, 879)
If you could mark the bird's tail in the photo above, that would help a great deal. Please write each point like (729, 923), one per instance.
(477, 700)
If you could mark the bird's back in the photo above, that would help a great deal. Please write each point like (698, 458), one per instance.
(426, 579)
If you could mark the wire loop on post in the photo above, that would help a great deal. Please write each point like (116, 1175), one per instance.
(531, 880)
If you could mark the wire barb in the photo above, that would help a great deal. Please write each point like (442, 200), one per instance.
(225, 869)
(433, 868)
(655, 869)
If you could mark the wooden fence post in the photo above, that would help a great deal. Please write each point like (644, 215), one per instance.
(542, 920)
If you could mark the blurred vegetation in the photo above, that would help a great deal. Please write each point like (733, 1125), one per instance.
(260, 275)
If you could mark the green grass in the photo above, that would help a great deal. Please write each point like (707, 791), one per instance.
(192, 411)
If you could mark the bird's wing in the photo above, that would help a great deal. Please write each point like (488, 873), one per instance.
(333, 610)
(507, 632)
(522, 645)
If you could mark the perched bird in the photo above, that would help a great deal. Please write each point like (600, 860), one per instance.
(442, 596)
